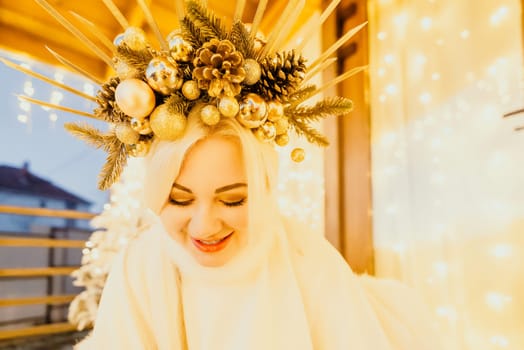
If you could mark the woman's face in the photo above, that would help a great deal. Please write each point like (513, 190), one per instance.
(206, 211)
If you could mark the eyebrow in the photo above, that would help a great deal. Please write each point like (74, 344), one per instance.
(218, 190)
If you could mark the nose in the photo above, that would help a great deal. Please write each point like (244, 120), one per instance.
(204, 222)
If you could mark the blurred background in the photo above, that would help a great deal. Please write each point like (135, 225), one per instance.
(422, 182)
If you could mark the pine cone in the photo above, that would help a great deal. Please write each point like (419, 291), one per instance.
(219, 68)
(281, 75)
(107, 107)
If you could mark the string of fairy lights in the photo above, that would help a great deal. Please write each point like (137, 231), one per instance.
(447, 186)
(55, 96)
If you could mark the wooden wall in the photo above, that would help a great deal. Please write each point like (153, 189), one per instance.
(348, 159)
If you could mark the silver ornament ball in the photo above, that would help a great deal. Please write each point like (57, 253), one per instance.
(163, 76)
(179, 48)
(253, 111)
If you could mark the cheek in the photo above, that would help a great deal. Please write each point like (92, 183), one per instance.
(237, 218)
(173, 219)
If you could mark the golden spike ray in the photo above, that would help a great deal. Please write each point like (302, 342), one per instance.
(339, 79)
(152, 23)
(258, 18)
(116, 13)
(180, 10)
(63, 21)
(278, 27)
(318, 24)
(337, 44)
(239, 10)
(57, 107)
(319, 69)
(287, 26)
(46, 79)
(74, 67)
(97, 32)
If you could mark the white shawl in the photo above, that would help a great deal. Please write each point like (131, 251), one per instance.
(294, 291)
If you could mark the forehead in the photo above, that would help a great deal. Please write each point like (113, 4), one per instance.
(213, 162)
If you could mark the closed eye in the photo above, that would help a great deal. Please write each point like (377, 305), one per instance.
(181, 203)
(235, 203)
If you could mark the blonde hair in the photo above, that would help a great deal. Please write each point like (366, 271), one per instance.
(165, 160)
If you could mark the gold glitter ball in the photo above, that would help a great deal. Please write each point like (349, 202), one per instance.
(126, 134)
(298, 155)
(282, 125)
(282, 140)
(166, 124)
(275, 110)
(253, 71)
(210, 115)
(266, 132)
(135, 38)
(190, 90)
(228, 106)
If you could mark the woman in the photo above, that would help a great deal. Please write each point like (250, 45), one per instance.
(219, 268)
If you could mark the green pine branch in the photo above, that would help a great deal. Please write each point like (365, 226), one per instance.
(302, 128)
(115, 163)
(239, 36)
(88, 134)
(138, 59)
(328, 107)
(178, 104)
(210, 26)
(300, 96)
(191, 33)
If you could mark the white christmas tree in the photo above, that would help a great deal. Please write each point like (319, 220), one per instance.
(120, 221)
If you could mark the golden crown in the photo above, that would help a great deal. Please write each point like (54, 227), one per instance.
(200, 69)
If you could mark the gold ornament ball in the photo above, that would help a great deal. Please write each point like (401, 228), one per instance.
(298, 155)
(253, 110)
(281, 125)
(275, 110)
(140, 149)
(125, 71)
(166, 124)
(210, 115)
(164, 76)
(190, 90)
(142, 126)
(135, 38)
(228, 106)
(253, 71)
(179, 49)
(119, 39)
(282, 140)
(135, 98)
(266, 132)
(126, 134)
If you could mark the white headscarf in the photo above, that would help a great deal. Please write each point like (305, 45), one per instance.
(291, 290)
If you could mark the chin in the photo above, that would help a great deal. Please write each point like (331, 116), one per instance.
(210, 260)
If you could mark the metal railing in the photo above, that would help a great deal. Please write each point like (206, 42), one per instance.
(13, 240)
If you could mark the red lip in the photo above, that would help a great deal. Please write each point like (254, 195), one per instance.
(211, 248)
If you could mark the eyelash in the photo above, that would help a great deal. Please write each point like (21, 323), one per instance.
(228, 204)
(181, 204)
(235, 204)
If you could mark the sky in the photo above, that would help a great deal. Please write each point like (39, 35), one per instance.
(52, 153)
